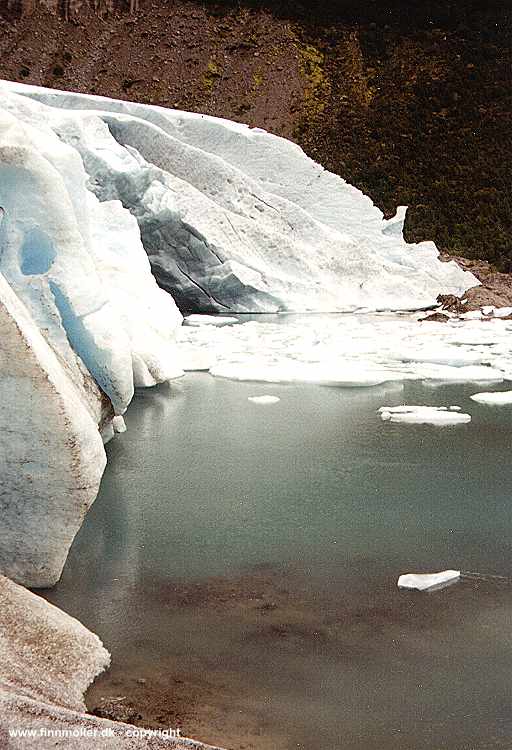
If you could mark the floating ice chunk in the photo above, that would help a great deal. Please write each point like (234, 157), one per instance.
(467, 374)
(107, 432)
(472, 315)
(453, 356)
(264, 400)
(298, 372)
(428, 581)
(403, 409)
(119, 424)
(209, 320)
(499, 398)
(502, 312)
(195, 360)
(353, 350)
(434, 415)
(477, 334)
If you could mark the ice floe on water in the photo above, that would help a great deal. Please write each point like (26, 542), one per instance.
(119, 424)
(299, 372)
(499, 398)
(209, 320)
(264, 400)
(435, 415)
(428, 581)
(501, 312)
(353, 350)
(469, 374)
(487, 311)
(192, 360)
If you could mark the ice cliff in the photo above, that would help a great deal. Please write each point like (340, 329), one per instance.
(82, 322)
(231, 219)
(236, 219)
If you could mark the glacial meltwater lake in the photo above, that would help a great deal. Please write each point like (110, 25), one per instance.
(240, 564)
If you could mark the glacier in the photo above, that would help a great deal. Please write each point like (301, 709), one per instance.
(82, 323)
(102, 199)
(235, 219)
(99, 201)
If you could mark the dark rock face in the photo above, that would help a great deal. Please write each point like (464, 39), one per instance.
(410, 102)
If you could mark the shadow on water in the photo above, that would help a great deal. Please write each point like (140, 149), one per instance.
(240, 564)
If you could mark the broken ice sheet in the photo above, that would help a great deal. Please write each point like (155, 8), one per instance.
(428, 581)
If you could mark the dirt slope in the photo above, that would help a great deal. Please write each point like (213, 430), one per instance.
(410, 101)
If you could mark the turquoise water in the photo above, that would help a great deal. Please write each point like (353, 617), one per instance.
(242, 560)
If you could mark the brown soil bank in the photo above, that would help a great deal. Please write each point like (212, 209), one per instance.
(408, 100)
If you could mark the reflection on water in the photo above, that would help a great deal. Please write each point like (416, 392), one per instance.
(240, 564)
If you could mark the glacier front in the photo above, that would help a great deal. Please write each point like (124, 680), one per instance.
(235, 219)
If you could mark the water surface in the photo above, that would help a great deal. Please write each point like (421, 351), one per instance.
(240, 564)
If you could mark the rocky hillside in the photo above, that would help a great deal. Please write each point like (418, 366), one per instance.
(409, 101)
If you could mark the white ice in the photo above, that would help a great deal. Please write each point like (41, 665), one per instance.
(427, 581)
(497, 312)
(77, 262)
(209, 320)
(264, 400)
(93, 191)
(82, 322)
(119, 424)
(51, 453)
(486, 311)
(502, 312)
(434, 415)
(352, 350)
(497, 398)
(235, 219)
